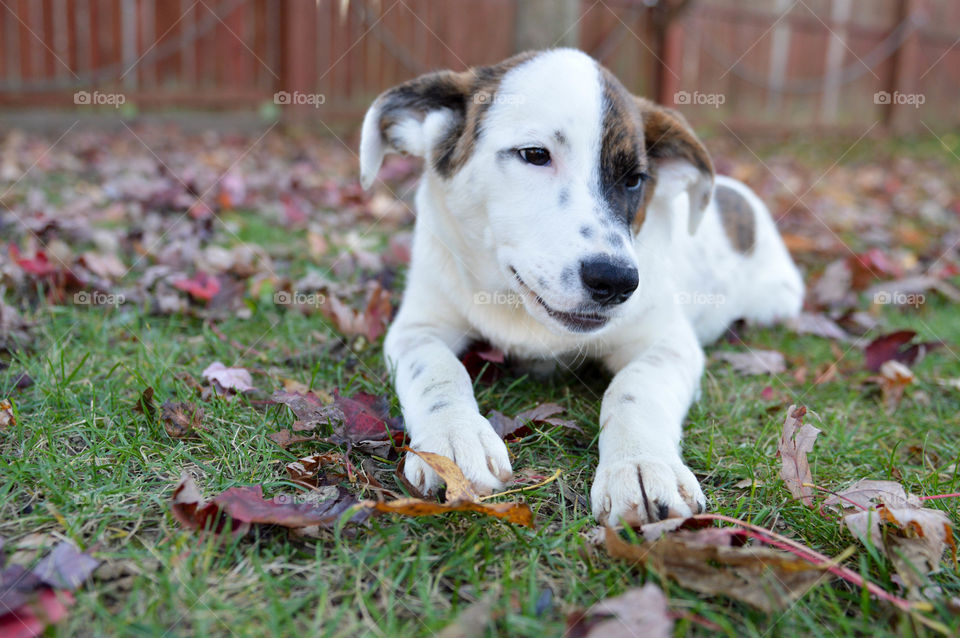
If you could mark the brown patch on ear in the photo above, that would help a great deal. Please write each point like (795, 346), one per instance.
(667, 135)
(468, 95)
(483, 82)
(737, 217)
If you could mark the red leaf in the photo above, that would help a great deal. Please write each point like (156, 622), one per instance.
(366, 418)
(896, 347)
(201, 286)
(239, 507)
(483, 362)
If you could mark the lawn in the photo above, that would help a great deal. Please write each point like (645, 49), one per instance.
(82, 462)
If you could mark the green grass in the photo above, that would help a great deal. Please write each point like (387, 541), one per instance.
(82, 463)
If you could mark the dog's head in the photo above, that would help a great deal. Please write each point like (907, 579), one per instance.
(554, 163)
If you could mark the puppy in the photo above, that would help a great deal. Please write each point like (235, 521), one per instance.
(560, 217)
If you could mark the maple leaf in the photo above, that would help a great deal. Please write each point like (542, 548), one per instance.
(796, 441)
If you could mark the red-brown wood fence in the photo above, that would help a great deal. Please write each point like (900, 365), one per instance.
(774, 62)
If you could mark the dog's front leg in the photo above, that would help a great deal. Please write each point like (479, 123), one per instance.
(640, 477)
(439, 408)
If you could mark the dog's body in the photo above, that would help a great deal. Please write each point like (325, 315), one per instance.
(543, 174)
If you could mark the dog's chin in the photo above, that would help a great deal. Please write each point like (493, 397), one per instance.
(579, 322)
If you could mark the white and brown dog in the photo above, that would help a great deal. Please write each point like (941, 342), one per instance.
(592, 221)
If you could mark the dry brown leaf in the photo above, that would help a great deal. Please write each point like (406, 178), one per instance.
(894, 379)
(768, 579)
(641, 611)
(460, 497)
(866, 493)
(6, 414)
(181, 419)
(472, 622)
(239, 507)
(796, 441)
(912, 538)
(884, 514)
(754, 362)
(226, 379)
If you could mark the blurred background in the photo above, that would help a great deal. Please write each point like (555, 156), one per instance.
(758, 64)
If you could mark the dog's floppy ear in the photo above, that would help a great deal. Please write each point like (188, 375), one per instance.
(412, 118)
(678, 160)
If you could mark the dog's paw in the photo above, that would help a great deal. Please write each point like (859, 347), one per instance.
(644, 490)
(472, 444)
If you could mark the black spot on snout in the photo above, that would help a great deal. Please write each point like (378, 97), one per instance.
(586, 232)
(568, 277)
(615, 239)
(564, 197)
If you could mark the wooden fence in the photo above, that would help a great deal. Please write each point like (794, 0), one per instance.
(767, 62)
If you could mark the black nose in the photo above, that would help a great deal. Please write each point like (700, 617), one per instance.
(608, 282)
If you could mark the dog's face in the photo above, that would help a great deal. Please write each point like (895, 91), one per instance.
(549, 159)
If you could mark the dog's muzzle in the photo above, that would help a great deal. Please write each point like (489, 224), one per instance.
(608, 282)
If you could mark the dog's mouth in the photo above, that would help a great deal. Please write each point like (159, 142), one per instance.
(573, 321)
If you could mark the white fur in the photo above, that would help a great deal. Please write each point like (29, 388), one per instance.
(497, 213)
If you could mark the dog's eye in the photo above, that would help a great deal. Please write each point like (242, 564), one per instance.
(535, 155)
(634, 181)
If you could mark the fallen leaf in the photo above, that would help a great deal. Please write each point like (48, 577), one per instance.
(518, 426)
(14, 329)
(913, 538)
(201, 286)
(753, 362)
(796, 441)
(371, 322)
(239, 507)
(181, 419)
(65, 567)
(103, 265)
(896, 346)
(460, 497)
(817, 324)
(310, 470)
(894, 379)
(866, 493)
(710, 563)
(225, 379)
(32, 599)
(145, 404)
(641, 611)
(472, 622)
(7, 419)
(483, 362)
(883, 514)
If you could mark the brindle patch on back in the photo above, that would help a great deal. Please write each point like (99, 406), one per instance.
(737, 217)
